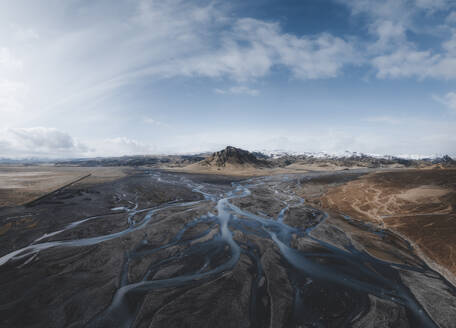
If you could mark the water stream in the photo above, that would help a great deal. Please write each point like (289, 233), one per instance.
(335, 270)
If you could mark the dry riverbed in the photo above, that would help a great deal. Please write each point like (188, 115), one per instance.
(160, 249)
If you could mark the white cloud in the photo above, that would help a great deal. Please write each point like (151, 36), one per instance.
(120, 146)
(393, 10)
(409, 62)
(390, 35)
(45, 142)
(392, 54)
(382, 119)
(53, 143)
(251, 48)
(308, 57)
(38, 141)
(448, 100)
(56, 67)
(405, 62)
(396, 10)
(8, 61)
(450, 45)
(25, 34)
(239, 90)
(152, 121)
(68, 63)
(433, 4)
(439, 139)
(11, 95)
(451, 18)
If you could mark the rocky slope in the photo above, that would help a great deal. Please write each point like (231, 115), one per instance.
(361, 160)
(232, 156)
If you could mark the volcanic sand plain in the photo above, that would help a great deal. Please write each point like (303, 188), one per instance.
(417, 204)
(22, 184)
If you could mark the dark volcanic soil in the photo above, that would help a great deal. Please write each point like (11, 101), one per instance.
(176, 250)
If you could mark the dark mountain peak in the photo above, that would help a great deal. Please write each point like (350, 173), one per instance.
(445, 160)
(234, 156)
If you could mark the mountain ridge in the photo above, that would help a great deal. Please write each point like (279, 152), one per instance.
(232, 156)
(242, 159)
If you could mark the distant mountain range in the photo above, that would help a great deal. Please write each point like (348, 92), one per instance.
(232, 156)
(344, 154)
(238, 158)
(25, 161)
(351, 159)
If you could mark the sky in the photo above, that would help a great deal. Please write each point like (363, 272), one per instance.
(83, 78)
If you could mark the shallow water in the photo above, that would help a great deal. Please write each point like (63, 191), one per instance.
(320, 274)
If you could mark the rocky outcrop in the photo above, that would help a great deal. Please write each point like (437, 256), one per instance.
(232, 156)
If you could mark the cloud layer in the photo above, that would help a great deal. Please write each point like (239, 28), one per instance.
(92, 69)
(39, 142)
(448, 100)
(137, 39)
(392, 53)
(51, 143)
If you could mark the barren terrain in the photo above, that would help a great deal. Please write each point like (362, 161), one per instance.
(22, 184)
(236, 171)
(161, 249)
(418, 204)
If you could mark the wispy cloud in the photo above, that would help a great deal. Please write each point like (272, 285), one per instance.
(238, 90)
(433, 4)
(152, 121)
(74, 66)
(393, 54)
(449, 100)
(382, 119)
(451, 18)
(11, 95)
(89, 72)
(120, 146)
(9, 61)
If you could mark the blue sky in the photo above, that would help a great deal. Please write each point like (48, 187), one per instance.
(86, 78)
